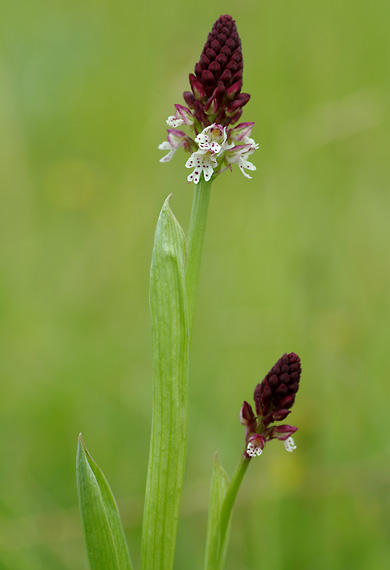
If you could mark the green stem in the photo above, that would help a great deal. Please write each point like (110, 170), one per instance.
(200, 205)
(230, 497)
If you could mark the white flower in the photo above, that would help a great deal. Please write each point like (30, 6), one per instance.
(239, 155)
(174, 122)
(251, 142)
(213, 139)
(183, 116)
(241, 133)
(176, 139)
(202, 161)
(212, 142)
(289, 444)
(253, 450)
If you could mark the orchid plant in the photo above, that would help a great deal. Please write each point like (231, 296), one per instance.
(213, 106)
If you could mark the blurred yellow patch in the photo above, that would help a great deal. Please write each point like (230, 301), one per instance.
(334, 330)
(71, 183)
(285, 471)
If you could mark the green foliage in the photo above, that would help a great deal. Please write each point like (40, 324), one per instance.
(296, 259)
(102, 527)
(170, 344)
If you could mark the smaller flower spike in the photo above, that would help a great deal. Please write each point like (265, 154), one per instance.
(277, 391)
(274, 397)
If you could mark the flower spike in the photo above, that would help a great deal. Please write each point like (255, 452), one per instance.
(274, 397)
(214, 103)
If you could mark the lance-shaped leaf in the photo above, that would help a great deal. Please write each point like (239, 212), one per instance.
(102, 528)
(170, 345)
(216, 545)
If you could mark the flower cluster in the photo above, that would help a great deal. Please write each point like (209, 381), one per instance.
(274, 397)
(214, 105)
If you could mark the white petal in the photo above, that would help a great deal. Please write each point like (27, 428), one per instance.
(167, 157)
(174, 122)
(248, 165)
(165, 146)
(243, 171)
(289, 444)
(207, 171)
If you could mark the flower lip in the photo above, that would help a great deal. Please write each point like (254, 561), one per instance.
(289, 444)
(255, 445)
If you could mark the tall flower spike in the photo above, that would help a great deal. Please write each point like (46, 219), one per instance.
(214, 104)
(216, 85)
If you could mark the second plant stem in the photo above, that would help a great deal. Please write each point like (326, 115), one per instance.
(230, 497)
(196, 233)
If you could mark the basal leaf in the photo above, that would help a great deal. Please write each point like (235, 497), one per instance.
(102, 527)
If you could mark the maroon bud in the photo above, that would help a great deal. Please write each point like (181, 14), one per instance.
(248, 419)
(276, 393)
(189, 99)
(226, 77)
(234, 90)
(208, 80)
(240, 100)
(236, 117)
(281, 432)
(215, 69)
(197, 88)
(220, 61)
(219, 91)
(211, 106)
(198, 70)
(204, 61)
(246, 414)
(280, 415)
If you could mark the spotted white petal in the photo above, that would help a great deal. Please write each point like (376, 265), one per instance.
(174, 122)
(201, 161)
(246, 164)
(253, 450)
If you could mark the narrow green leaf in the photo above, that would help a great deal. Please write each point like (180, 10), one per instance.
(170, 345)
(216, 545)
(102, 527)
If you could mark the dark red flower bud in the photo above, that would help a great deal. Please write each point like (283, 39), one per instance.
(234, 90)
(189, 99)
(220, 63)
(276, 393)
(239, 101)
(248, 419)
(197, 88)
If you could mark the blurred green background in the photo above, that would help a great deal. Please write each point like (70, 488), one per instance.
(296, 259)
